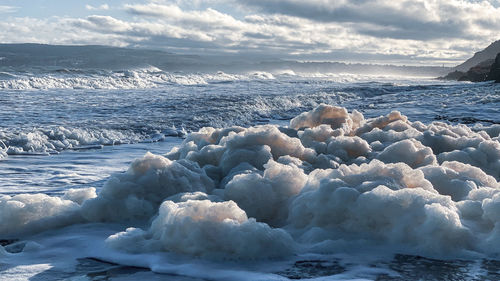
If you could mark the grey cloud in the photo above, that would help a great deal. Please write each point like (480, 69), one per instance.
(153, 10)
(393, 19)
(328, 11)
(257, 35)
(422, 31)
(102, 24)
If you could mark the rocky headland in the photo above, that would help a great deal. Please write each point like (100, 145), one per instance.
(483, 66)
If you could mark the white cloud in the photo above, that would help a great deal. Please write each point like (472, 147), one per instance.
(207, 19)
(103, 7)
(8, 9)
(31, 30)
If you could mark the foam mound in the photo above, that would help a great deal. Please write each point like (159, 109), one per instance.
(206, 229)
(136, 194)
(265, 197)
(30, 213)
(330, 179)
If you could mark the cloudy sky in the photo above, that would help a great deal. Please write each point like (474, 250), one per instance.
(392, 31)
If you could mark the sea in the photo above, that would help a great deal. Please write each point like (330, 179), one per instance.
(147, 173)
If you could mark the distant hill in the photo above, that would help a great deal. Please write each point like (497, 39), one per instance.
(25, 56)
(487, 54)
(40, 57)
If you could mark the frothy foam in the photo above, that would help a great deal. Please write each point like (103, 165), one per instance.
(195, 228)
(53, 140)
(330, 179)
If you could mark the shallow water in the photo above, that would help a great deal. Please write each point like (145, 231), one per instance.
(72, 169)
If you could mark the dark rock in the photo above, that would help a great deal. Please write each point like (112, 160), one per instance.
(478, 73)
(455, 75)
(479, 67)
(495, 70)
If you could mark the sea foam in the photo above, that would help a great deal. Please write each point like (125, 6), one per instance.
(53, 140)
(332, 178)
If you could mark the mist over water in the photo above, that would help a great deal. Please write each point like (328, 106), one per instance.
(261, 174)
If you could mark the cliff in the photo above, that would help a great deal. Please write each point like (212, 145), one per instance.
(483, 66)
(495, 70)
(477, 73)
(488, 53)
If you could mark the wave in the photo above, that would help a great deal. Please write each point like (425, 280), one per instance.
(127, 79)
(114, 80)
(54, 140)
(7, 76)
(152, 77)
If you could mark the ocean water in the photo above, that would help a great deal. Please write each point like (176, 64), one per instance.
(254, 175)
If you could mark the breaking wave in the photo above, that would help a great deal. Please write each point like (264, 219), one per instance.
(128, 79)
(330, 182)
(153, 77)
(54, 140)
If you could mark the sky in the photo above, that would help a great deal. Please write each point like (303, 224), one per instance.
(414, 32)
